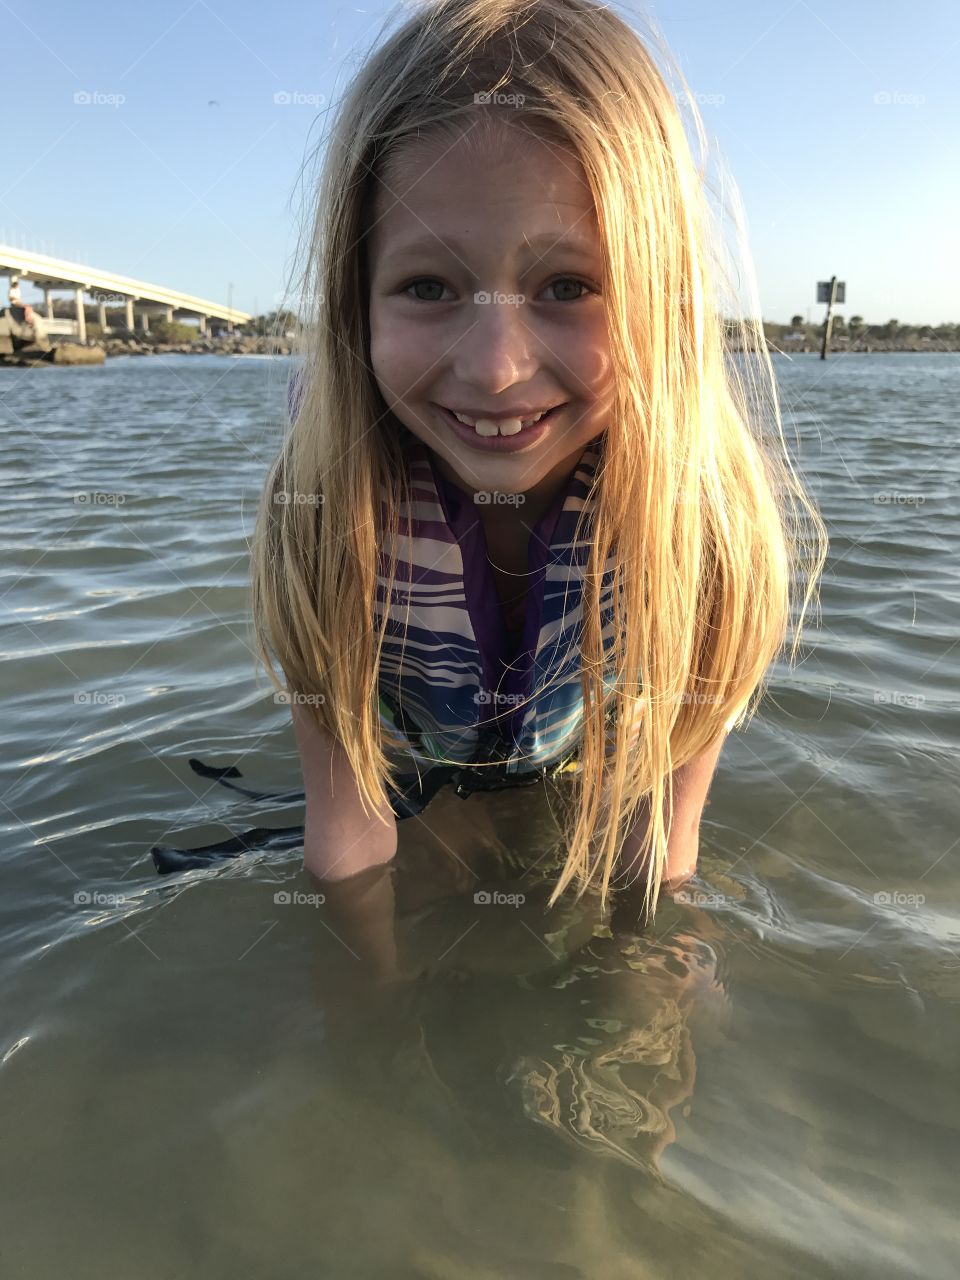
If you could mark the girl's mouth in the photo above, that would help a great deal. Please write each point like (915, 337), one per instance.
(505, 435)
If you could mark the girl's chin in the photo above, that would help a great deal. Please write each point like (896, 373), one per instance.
(502, 474)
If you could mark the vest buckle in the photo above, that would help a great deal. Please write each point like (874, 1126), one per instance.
(493, 753)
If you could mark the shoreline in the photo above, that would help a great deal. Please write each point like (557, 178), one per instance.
(239, 344)
(233, 344)
(285, 347)
(99, 350)
(875, 346)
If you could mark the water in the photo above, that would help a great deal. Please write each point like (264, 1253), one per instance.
(199, 1079)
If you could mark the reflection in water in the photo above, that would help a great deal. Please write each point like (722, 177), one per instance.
(593, 1038)
(612, 1086)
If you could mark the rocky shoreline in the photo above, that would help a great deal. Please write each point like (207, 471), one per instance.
(237, 344)
(25, 343)
(101, 349)
(227, 345)
(865, 346)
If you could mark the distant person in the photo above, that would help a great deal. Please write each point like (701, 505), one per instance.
(28, 318)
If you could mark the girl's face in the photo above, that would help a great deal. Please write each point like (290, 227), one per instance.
(485, 269)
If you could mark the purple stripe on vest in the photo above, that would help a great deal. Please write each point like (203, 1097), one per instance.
(483, 600)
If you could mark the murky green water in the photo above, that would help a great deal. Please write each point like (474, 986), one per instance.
(197, 1077)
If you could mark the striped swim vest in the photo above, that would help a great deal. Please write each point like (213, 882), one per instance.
(468, 705)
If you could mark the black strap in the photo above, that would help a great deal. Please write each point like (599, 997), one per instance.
(486, 771)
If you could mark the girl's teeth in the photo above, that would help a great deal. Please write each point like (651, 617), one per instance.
(506, 427)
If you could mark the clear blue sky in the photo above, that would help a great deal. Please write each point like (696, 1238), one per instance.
(169, 189)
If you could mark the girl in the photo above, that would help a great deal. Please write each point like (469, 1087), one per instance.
(530, 516)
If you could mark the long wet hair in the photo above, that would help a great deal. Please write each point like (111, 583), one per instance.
(697, 498)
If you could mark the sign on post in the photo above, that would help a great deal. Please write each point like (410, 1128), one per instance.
(823, 291)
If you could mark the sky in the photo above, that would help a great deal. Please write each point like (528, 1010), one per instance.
(166, 142)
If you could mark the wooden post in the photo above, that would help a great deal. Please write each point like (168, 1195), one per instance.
(828, 326)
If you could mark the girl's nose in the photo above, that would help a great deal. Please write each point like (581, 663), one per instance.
(496, 347)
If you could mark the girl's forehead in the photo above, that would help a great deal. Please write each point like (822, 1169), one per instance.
(498, 180)
(479, 150)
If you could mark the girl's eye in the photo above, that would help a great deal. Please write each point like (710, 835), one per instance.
(566, 282)
(428, 283)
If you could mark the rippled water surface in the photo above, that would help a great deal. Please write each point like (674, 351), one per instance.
(198, 1080)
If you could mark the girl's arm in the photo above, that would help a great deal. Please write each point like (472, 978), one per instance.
(340, 840)
(346, 850)
(691, 782)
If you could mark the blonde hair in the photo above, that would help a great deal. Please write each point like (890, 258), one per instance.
(697, 496)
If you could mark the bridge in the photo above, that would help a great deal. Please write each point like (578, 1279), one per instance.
(107, 289)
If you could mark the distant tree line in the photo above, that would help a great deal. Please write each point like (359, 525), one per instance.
(273, 322)
(857, 328)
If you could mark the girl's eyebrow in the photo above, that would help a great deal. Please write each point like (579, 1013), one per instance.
(548, 239)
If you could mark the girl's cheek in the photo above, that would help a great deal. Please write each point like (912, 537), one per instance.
(407, 353)
(390, 347)
(398, 364)
(589, 359)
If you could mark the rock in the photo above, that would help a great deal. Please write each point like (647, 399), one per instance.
(74, 353)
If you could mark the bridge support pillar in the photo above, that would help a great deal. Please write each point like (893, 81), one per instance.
(48, 302)
(202, 324)
(129, 304)
(102, 310)
(145, 321)
(169, 315)
(81, 318)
